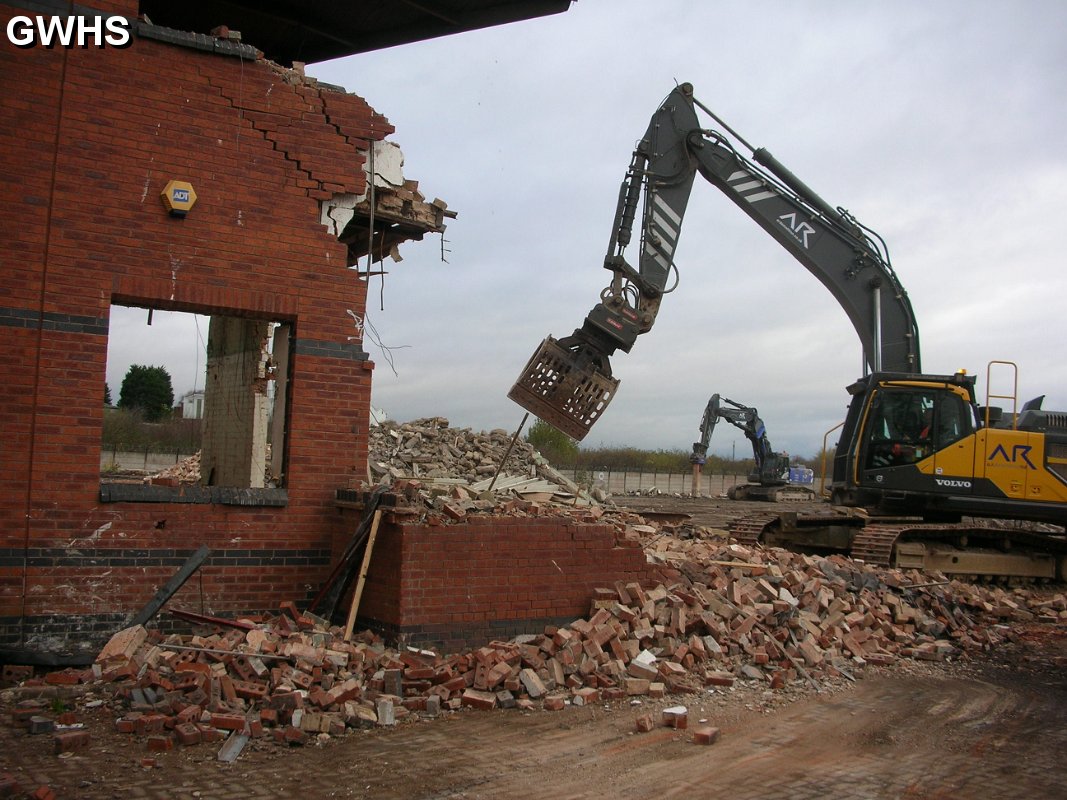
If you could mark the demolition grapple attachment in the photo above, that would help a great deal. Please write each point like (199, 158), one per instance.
(567, 387)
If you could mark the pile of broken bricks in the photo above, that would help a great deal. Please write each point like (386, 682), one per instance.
(429, 448)
(436, 455)
(720, 613)
(455, 465)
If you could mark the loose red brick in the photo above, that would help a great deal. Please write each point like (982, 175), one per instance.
(9, 786)
(477, 698)
(719, 679)
(286, 701)
(555, 702)
(210, 735)
(706, 734)
(69, 741)
(193, 666)
(125, 725)
(586, 696)
(123, 644)
(21, 715)
(189, 714)
(676, 717)
(12, 674)
(149, 723)
(250, 690)
(159, 743)
(64, 677)
(294, 736)
(188, 734)
(228, 722)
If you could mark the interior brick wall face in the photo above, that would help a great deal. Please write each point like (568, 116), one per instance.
(89, 137)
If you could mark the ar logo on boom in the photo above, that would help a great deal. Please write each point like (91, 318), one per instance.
(801, 230)
(24, 32)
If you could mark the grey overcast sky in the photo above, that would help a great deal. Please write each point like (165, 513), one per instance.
(941, 125)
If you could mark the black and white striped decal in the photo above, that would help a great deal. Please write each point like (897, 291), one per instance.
(663, 228)
(751, 188)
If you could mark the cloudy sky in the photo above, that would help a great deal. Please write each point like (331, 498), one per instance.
(941, 125)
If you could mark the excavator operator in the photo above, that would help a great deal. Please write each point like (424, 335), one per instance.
(915, 444)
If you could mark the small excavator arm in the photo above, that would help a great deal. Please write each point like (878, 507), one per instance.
(568, 382)
(770, 468)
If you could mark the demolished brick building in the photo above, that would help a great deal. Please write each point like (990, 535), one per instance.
(193, 172)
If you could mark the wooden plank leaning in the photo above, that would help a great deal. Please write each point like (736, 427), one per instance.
(358, 591)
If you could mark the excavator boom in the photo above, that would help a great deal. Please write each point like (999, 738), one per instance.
(568, 382)
(913, 445)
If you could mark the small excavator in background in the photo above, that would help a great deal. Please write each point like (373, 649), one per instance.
(917, 452)
(772, 477)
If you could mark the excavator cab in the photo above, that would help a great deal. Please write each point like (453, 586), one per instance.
(912, 440)
(900, 428)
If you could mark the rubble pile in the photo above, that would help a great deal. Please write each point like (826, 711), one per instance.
(429, 448)
(184, 472)
(432, 453)
(437, 455)
(723, 613)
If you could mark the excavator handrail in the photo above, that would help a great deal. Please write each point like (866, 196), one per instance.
(822, 459)
(1014, 396)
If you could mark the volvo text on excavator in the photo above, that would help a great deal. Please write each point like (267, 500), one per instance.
(772, 477)
(973, 461)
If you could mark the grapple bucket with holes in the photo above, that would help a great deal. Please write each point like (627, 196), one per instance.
(557, 387)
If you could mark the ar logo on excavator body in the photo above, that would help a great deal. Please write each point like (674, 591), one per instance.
(1019, 452)
(801, 230)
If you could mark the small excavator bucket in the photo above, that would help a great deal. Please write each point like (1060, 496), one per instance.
(557, 388)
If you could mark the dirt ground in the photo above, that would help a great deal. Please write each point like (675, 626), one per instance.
(711, 512)
(991, 726)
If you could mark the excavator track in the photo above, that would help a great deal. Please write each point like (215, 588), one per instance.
(874, 543)
(921, 544)
(749, 529)
(794, 494)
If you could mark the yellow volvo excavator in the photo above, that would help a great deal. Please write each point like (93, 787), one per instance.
(918, 457)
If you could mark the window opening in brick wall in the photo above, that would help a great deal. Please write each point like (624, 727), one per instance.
(224, 424)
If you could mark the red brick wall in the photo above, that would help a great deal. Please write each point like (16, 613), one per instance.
(88, 139)
(491, 577)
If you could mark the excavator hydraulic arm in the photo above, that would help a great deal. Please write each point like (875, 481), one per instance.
(769, 466)
(568, 382)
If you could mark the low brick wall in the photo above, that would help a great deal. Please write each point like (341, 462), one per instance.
(447, 586)
(490, 577)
